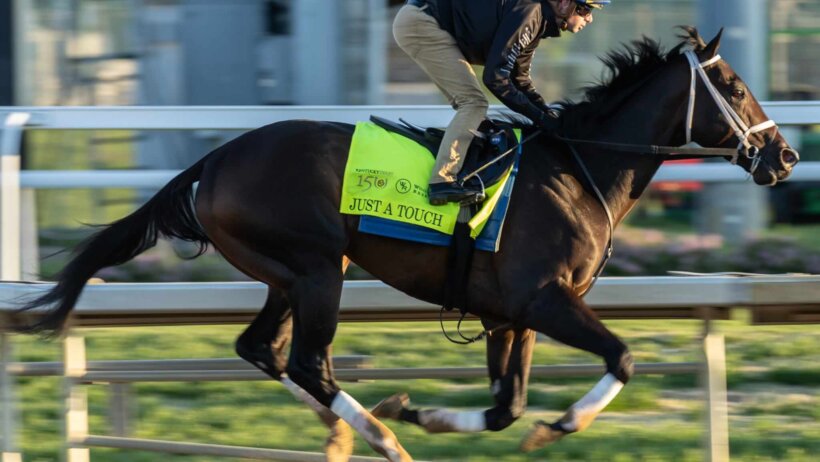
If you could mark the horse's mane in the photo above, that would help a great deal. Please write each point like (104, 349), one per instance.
(623, 69)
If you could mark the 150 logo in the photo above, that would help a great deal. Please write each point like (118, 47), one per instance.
(369, 181)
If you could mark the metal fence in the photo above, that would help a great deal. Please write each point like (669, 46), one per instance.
(17, 119)
(780, 299)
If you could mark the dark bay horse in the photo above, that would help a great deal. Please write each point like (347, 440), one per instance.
(269, 202)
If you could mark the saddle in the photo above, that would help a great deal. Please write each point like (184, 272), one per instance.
(493, 139)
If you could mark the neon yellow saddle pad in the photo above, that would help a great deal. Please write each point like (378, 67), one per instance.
(387, 175)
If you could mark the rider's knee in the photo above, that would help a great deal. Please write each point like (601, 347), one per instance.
(622, 366)
(471, 101)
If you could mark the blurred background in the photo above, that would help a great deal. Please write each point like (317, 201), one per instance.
(341, 52)
(314, 52)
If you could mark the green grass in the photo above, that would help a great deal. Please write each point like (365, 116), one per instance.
(80, 150)
(773, 385)
(805, 235)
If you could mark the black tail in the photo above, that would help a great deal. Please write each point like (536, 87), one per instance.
(169, 213)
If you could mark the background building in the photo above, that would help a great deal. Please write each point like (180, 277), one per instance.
(325, 52)
(329, 52)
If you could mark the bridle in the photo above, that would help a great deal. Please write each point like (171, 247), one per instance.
(690, 149)
(742, 132)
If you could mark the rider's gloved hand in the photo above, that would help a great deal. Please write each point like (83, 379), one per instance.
(548, 122)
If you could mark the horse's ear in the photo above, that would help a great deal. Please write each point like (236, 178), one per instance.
(712, 48)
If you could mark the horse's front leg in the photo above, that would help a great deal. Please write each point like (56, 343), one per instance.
(264, 344)
(562, 315)
(509, 354)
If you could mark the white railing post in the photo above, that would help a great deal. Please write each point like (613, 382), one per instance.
(9, 408)
(76, 399)
(716, 438)
(10, 195)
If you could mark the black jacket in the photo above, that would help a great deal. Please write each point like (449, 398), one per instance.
(502, 35)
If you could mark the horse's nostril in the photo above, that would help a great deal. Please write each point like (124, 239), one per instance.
(789, 157)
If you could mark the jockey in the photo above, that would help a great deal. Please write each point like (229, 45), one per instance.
(445, 37)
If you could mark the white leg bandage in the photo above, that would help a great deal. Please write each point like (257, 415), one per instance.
(595, 401)
(440, 420)
(349, 410)
(304, 396)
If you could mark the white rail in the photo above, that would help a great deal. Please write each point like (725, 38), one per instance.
(119, 304)
(786, 113)
(17, 119)
(154, 179)
(249, 117)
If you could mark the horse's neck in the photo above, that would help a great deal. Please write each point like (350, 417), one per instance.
(623, 177)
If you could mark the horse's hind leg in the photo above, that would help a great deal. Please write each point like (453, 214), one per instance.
(315, 301)
(562, 315)
(264, 344)
(264, 341)
(509, 355)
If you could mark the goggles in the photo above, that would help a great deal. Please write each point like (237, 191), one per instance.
(582, 9)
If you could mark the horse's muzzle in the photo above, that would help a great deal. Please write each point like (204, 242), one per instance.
(789, 157)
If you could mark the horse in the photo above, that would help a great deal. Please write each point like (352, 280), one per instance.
(269, 201)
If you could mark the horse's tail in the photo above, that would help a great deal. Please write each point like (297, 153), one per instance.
(169, 213)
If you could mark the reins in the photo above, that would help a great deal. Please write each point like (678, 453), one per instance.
(681, 152)
(467, 340)
(608, 251)
(500, 156)
(690, 150)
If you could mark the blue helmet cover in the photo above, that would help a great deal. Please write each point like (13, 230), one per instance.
(594, 3)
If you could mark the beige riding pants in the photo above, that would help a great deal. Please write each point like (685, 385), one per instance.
(436, 52)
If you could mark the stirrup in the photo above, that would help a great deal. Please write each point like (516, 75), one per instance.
(477, 198)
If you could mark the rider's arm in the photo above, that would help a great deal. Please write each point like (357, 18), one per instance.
(522, 79)
(511, 52)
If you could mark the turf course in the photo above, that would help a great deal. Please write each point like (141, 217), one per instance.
(774, 391)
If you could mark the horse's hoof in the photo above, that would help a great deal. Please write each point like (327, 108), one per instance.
(339, 445)
(391, 407)
(384, 441)
(540, 435)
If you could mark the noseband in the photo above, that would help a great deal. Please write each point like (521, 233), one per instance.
(732, 118)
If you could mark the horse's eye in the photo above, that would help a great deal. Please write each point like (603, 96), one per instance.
(738, 93)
